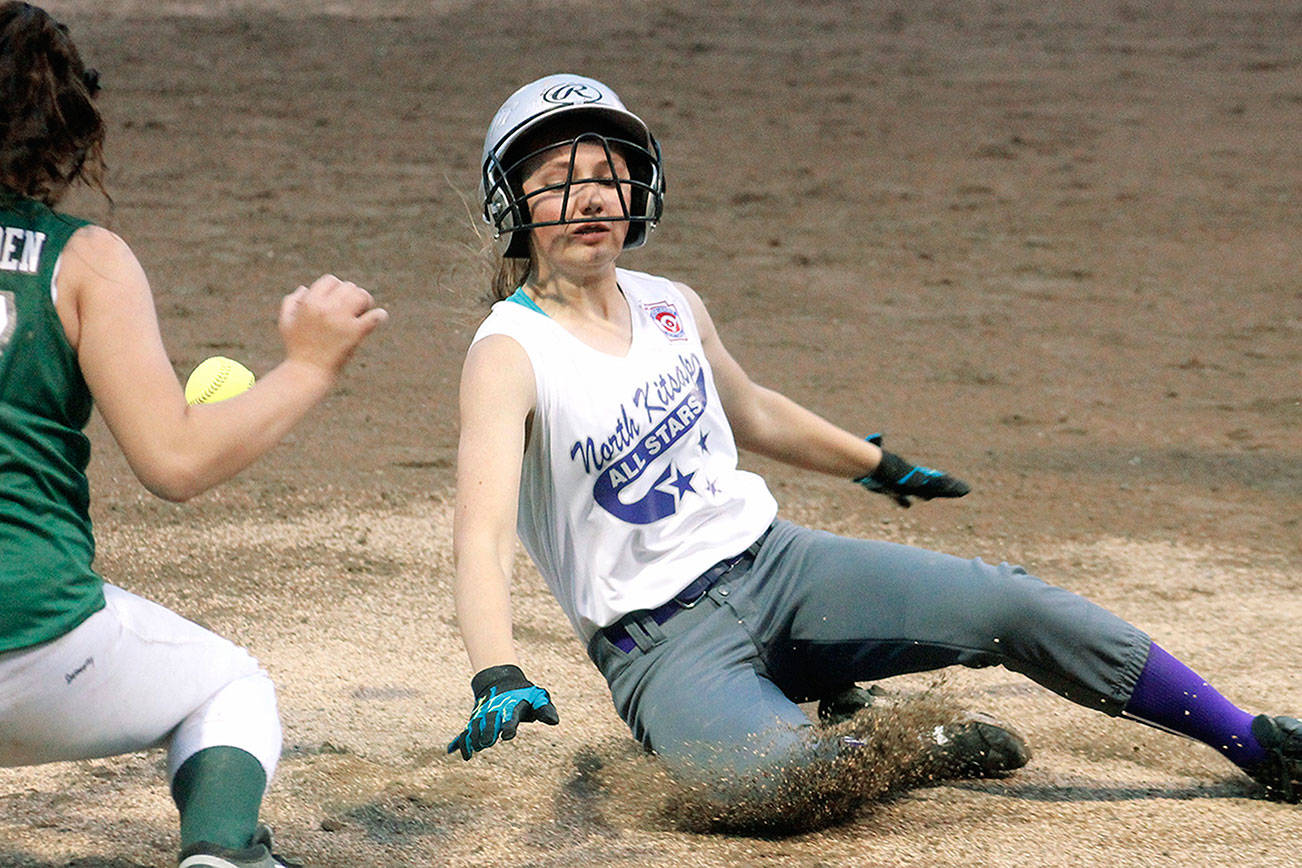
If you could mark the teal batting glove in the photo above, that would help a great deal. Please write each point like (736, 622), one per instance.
(504, 699)
(902, 481)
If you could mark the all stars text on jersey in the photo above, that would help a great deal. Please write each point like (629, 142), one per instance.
(667, 432)
(655, 397)
(659, 500)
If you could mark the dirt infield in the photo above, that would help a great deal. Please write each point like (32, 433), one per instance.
(1051, 248)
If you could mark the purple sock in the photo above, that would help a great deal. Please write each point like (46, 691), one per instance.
(1171, 696)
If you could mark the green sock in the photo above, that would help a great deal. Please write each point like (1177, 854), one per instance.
(219, 793)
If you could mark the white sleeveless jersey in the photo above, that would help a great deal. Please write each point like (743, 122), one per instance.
(630, 487)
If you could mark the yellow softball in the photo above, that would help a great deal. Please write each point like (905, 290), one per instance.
(216, 379)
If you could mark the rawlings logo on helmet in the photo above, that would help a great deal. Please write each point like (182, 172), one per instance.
(572, 93)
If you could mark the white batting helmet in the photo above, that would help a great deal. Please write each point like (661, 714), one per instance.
(520, 130)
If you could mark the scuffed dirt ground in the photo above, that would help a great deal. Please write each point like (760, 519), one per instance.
(1052, 249)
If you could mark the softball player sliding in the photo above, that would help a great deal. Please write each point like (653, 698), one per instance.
(601, 418)
(87, 669)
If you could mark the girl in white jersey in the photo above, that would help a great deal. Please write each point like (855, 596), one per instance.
(601, 417)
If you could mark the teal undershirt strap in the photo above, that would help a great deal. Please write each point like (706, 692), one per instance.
(521, 297)
(219, 793)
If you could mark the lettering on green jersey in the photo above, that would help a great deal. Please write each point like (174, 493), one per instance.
(20, 250)
(8, 318)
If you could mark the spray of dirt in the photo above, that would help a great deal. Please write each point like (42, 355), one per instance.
(882, 750)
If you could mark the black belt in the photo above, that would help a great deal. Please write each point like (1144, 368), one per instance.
(688, 597)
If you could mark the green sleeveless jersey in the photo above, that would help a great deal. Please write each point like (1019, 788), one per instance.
(47, 586)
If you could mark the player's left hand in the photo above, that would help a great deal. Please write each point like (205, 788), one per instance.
(504, 699)
(901, 481)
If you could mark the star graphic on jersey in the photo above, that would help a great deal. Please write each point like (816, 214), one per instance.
(701, 442)
(711, 487)
(683, 482)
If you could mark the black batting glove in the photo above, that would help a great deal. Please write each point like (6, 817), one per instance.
(901, 481)
(504, 699)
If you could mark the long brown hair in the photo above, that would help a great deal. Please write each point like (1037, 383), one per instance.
(510, 275)
(51, 134)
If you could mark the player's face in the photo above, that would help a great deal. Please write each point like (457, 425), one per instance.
(591, 197)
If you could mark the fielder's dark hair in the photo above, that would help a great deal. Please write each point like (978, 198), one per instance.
(51, 134)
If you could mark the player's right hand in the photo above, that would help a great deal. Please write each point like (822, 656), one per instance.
(504, 699)
(323, 323)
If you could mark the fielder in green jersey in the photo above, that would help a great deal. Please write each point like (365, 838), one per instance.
(46, 579)
(86, 668)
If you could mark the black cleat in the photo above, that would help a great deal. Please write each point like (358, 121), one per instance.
(1281, 772)
(978, 746)
(843, 704)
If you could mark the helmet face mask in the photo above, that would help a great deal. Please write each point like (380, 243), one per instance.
(639, 203)
(567, 111)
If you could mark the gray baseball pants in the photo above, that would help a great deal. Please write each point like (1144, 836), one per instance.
(715, 687)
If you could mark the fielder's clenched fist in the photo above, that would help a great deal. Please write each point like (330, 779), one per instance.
(323, 323)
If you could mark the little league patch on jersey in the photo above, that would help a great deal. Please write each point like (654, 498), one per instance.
(665, 315)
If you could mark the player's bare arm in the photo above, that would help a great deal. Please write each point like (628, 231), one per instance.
(496, 398)
(107, 309)
(771, 424)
